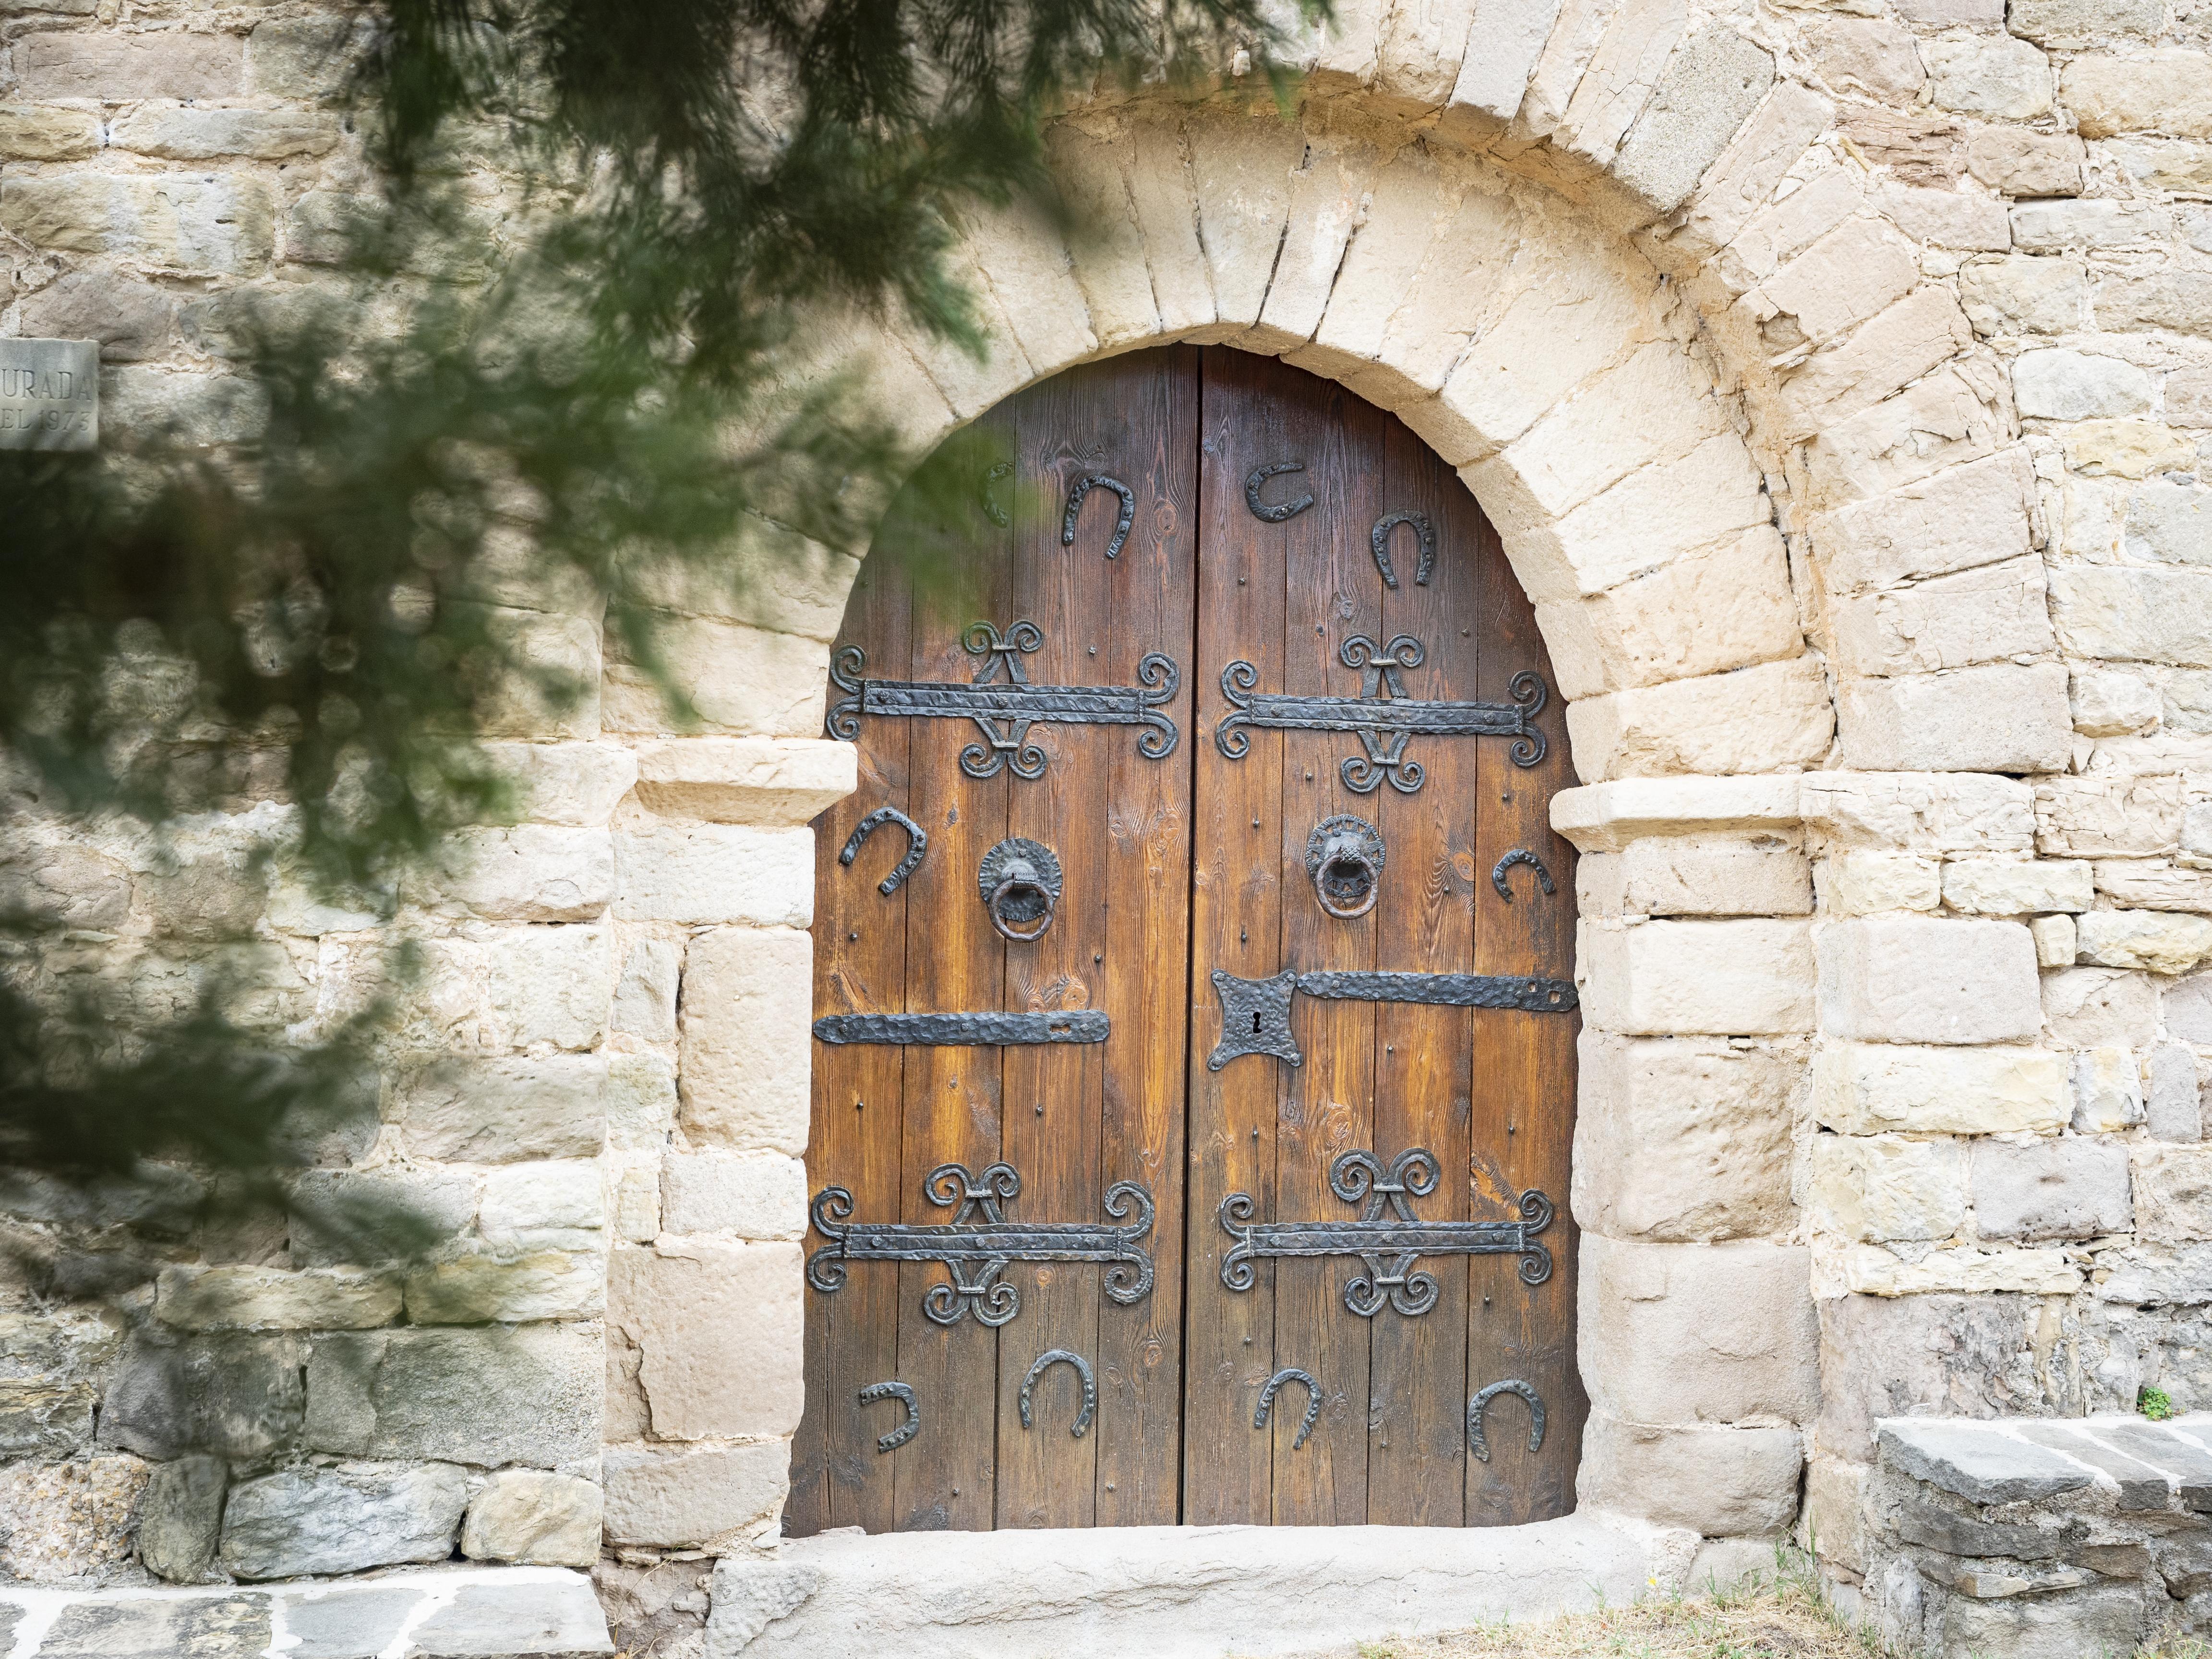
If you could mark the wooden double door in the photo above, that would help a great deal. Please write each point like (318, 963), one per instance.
(1192, 966)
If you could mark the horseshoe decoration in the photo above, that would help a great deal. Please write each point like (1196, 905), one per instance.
(1476, 1406)
(1020, 881)
(1378, 540)
(1084, 486)
(1520, 855)
(1060, 1356)
(997, 515)
(903, 1393)
(917, 843)
(1313, 1403)
(1283, 511)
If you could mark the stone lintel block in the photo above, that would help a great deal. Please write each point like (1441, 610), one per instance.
(768, 783)
(1977, 1462)
(1874, 1088)
(1732, 978)
(1716, 1480)
(1948, 813)
(570, 783)
(747, 1002)
(718, 1328)
(2005, 717)
(695, 873)
(683, 1496)
(1699, 1333)
(1925, 979)
(1683, 1138)
(1698, 875)
(1870, 1270)
(1609, 818)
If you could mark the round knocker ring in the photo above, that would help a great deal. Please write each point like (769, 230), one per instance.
(1020, 882)
(1343, 856)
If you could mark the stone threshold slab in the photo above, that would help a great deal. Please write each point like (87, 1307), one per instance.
(1170, 1592)
(458, 1613)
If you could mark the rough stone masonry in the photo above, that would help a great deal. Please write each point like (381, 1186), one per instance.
(1840, 378)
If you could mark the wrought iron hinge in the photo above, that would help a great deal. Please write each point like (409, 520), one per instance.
(1004, 711)
(1401, 1236)
(966, 1030)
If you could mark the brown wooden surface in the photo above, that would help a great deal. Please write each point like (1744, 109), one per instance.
(1174, 868)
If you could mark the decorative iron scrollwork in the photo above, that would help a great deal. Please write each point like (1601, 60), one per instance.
(1378, 543)
(1084, 486)
(1480, 1403)
(996, 513)
(1020, 881)
(971, 1031)
(903, 1393)
(1004, 712)
(1280, 512)
(1344, 857)
(1520, 855)
(981, 1240)
(1403, 1236)
(1313, 1402)
(917, 843)
(1384, 724)
(1264, 1004)
(1064, 1357)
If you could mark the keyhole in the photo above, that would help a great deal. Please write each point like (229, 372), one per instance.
(1255, 1024)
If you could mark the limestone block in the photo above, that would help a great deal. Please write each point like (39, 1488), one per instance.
(1682, 1138)
(1712, 82)
(2055, 227)
(481, 1288)
(2112, 705)
(1241, 170)
(63, 886)
(779, 781)
(2180, 300)
(2093, 1007)
(2127, 449)
(1019, 254)
(1743, 180)
(1946, 218)
(497, 1111)
(2162, 164)
(327, 1521)
(513, 987)
(2078, 385)
(1997, 77)
(269, 1299)
(311, 58)
(1090, 166)
(1872, 56)
(1550, 338)
(645, 995)
(718, 1328)
(1959, 519)
(1634, 43)
(1864, 881)
(1687, 978)
(1328, 191)
(2166, 90)
(2172, 1191)
(533, 872)
(1870, 1270)
(1699, 1333)
(530, 1395)
(747, 998)
(34, 132)
(2170, 521)
(1835, 1499)
(2162, 941)
(1159, 190)
(746, 1194)
(1404, 215)
(180, 1519)
(2127, 817)
(1843, 278)
(1573, 41)
(1921, 979)
(347, 1216)
(641, 1102)
(1722, 607)
(115, 66)
(2188, 397)
(1898, 346)
(2023, 295)
(185, 226)
(2107, 1091)
(1862, 1089)
(1923, 1356)
(205, 135)
(54, 1419)
(1868, 1188)
(1753, 719)
(1786, 226)
(2173, 1096)
(1951, 417)
(1716, 875)
(2063, 1188)
(69, 1520)
(533, 1518)
(2084, 22)
(236, 1396)
(2010, 887)
(740, 680)
(1723, 1482)
(1610, 816)
(1467, 271)
(683, 1496)
(2015, 162)
(2057, 941)
(2148, 884)
(1993, 614)
(701, 872)
(2004, 717)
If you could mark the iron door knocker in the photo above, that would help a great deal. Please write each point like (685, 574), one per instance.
(1344, 857)
(1020, 880)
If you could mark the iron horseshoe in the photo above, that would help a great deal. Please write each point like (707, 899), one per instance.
(1313, 1402)
(903, 1393)
(1280, 514)
(1475, 1407)
(1520, 855)
(917, 843)
(996, 513)
(1378, 541)
(1082, 1370)
(1084, 486)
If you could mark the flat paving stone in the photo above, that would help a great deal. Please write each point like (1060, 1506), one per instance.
(353, 1622)
(2142, 1485)
(1976, 1461)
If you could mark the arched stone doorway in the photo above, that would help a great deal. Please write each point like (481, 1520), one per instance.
(1331, 822)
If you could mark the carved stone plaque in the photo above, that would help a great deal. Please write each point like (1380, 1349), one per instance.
(49, 394)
